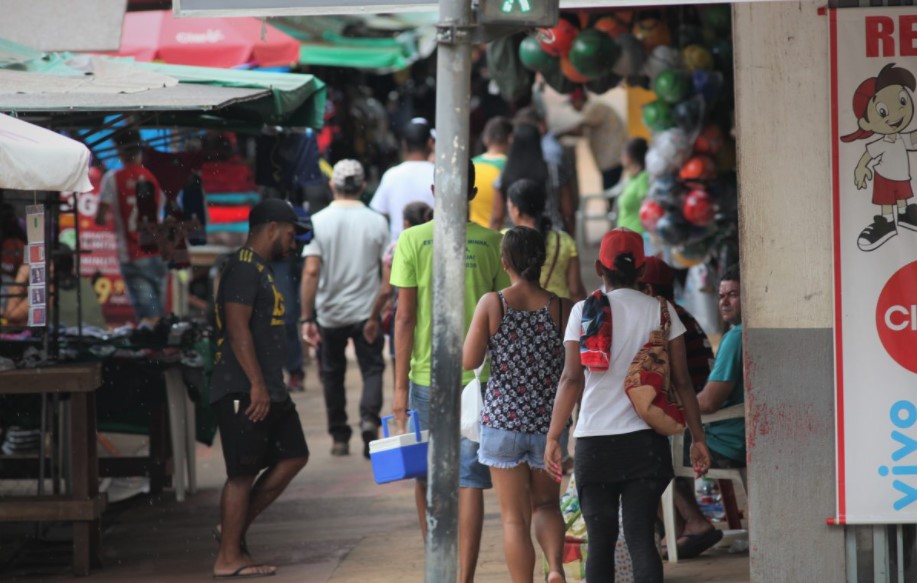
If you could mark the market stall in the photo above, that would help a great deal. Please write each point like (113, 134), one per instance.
(36, 159)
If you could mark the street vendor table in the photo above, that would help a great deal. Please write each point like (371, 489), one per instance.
(83, 506)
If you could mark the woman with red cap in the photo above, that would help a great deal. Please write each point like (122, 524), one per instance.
(620, 462)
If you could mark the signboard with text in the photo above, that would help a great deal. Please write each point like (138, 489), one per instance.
(874, 151)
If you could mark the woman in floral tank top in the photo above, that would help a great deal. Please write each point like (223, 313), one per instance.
(521, 329)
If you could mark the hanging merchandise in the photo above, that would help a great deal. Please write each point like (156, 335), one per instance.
(593, 53)
(698, 208)
(672, 85)
(557, 40)
(652, 32)
(533, 57)
(657, 115)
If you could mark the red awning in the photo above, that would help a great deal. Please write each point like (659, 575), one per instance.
(205, 42)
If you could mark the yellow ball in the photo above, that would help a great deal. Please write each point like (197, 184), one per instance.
(697, 57)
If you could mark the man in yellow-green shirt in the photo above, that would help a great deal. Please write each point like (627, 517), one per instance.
(488, 167)
(412, 273)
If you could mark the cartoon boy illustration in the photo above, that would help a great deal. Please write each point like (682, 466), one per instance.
(884, 105)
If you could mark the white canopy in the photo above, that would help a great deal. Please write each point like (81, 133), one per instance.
(33, 158)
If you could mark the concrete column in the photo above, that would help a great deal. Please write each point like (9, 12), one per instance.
(782, 116)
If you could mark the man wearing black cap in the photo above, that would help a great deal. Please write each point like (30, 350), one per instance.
(409, 181)
(259, 426)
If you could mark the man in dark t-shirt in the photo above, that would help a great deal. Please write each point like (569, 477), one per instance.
(259, 425)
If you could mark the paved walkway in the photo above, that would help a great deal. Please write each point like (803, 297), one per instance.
(334, 525)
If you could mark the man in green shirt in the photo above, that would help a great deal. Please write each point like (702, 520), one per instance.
(412, 273)
(725, 439)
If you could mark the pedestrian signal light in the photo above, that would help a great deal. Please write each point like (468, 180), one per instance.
(535, 13)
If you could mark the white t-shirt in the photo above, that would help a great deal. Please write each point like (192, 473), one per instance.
(350, 239)
(401, 185)
(606, 408)
(606, 133)
(893, 163)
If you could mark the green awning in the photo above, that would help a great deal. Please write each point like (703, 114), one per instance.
(107, 85)
(297, 100)
(361, 42)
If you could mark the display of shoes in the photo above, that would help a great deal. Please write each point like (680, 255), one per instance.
(876, 234)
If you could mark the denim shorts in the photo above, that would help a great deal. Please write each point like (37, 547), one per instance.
(507, 449)
(472, 474)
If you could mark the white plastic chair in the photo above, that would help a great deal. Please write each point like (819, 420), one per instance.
(681, 470)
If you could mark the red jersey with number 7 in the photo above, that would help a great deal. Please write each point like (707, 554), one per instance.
(134, 196)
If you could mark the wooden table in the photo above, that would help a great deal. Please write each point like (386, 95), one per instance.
(84, 506)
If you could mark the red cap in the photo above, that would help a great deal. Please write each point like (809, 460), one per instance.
(618, 241)
(861, 97)
(658, 272)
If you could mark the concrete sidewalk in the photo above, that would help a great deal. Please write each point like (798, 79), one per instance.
(334, 524)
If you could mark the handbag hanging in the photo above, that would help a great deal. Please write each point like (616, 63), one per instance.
(648, 383)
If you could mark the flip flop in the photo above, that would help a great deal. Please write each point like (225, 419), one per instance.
(698, 543)
(217, 535)
(238, 574)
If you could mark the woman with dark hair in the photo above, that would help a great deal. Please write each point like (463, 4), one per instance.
(620, 462)
(525, 160)
(633, 159)
(521, 329)
(560, 274)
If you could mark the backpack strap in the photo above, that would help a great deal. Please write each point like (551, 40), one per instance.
(560, 318)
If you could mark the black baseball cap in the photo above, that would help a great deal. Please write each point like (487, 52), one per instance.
(273, 210)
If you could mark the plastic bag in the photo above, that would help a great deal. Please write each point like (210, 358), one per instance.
(472, 405)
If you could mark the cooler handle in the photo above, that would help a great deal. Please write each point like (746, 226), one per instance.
(412, 414)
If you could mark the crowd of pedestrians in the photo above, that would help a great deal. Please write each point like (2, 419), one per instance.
(368, 273)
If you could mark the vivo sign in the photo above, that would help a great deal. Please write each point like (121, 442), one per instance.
(295, 7)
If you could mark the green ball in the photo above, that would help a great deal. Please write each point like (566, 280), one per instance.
(657, 116)
(593, 53)
(532, 56)
(717, 16)
(671, 86)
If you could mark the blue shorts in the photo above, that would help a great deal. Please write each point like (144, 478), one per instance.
(472, 474)
(507, 449)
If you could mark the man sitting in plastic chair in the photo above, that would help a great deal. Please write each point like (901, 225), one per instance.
(725, 439)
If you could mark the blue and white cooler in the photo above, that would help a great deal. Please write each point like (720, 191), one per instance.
(399, 457)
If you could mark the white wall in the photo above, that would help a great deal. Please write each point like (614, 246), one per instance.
(783, 135)
(782, 113)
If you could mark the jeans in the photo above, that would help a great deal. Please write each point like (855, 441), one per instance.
(334, 365)
(145, 280)
(287, 275)
(472, 473)
(639, 501)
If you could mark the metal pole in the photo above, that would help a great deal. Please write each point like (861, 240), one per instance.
(453, 78)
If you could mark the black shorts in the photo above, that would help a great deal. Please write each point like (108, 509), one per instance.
(250, 447)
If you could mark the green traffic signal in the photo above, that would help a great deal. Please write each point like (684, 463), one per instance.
(508, 5)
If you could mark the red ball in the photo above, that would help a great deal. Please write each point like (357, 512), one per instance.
(650, 213)
(698, 168)
(698, 208)
(556, 41)
(710, 141)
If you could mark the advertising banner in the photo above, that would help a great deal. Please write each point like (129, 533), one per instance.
(99, 261)
(873, 54)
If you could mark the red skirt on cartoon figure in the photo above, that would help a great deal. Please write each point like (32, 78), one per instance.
(889, 192)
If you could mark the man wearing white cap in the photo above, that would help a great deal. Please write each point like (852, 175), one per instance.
(342, 299)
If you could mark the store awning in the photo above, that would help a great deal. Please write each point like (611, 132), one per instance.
(375, 43)
(33, 158)
(158, 36)
(63, 83)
